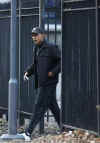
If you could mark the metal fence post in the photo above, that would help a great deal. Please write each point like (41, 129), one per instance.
(13, 83)
(97, 64)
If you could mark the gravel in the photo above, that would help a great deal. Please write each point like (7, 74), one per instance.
(52, 134)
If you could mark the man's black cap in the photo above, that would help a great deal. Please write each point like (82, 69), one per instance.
(37, 30)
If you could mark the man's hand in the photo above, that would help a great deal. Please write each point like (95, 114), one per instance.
(50, 74)
(25, 76)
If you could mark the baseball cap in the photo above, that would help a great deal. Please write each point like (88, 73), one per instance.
(37, 30)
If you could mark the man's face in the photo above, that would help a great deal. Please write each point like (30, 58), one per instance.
(38, 38)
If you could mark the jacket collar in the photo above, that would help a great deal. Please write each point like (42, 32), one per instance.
(44, 44)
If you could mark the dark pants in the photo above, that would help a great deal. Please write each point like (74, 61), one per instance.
(46, 100)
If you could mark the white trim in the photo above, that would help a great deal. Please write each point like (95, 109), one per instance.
(4, 1)
(52, 27)
(70, 1)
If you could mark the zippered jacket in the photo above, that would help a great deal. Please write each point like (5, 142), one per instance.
(46, 59)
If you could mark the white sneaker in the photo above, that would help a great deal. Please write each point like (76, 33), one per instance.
(27, 138)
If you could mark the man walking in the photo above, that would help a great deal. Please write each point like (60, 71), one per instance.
(45, 68)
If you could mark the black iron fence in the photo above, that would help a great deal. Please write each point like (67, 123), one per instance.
(80, 63)
(27, 17)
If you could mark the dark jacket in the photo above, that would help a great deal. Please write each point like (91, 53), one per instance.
(46, 59)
